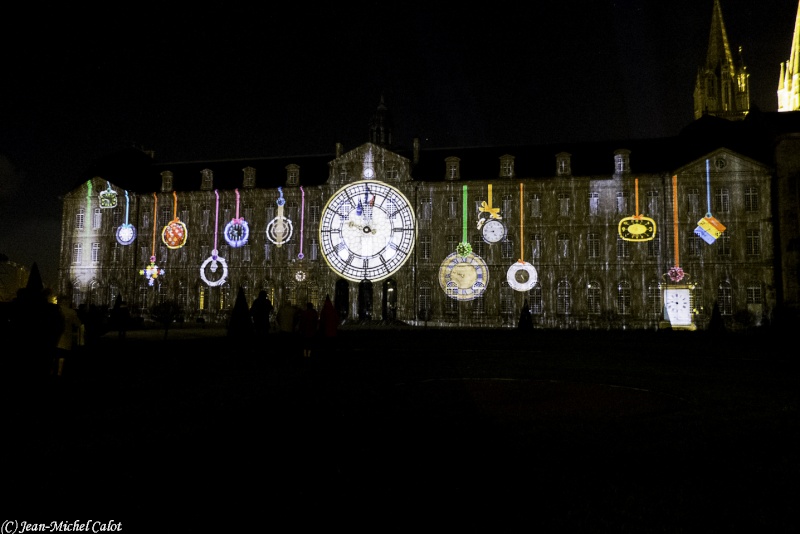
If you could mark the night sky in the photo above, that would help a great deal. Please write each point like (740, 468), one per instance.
(250, 82)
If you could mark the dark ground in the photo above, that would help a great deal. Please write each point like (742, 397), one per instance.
(414, 430)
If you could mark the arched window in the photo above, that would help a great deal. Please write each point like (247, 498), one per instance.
(624, 298)
(594, 297)
(535, 299)
(563, 298)
(725, 298)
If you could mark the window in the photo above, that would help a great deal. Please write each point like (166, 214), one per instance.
(245, 253)
(562, 244)
(697, 300)
(724, 298)
(622, 161)
(116, 217)
(624, 298)
(506, 300)
(724, 245)
(267, 251)
(753, 293)
(425, 247)
(654, 298)
(536, 245)
(206, 216)
(751, 199)
(536, 205)
(506, 166)
(115, 252)
(77, 253)
(201, 298)
(753, 242)
(425, 303)
(593, 296)
(594, 203)
(142, 302)
(652, 203)
(426, 209)
(97, 218)
(654, 247)
(563, 298)
(162, 293)
(479, 307)
(452, 207)
(623, 250)
(166, 216)
(563, 204)
(478, 244)
(507, 247)
(452, 243)
(535, 299)
(622, 202)
(80, 215)
(693, 200)
(593, 245)
(314, 254)
(722, 200)
(95, 252)
(695, 245)
(314, 212)
(508, 206)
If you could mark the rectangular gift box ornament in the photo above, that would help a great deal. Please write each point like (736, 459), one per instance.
(705, 236)
(712, 226)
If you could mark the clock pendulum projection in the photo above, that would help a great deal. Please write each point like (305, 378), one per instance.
(153, 271)
(108, 198)
(709, 229)
(174, 234)
(237, 231)
(300, 274)
(279, 229)
(463, 275)
(491, 227)
(638, 227)
(367, 231)
(214, 263)
(678, 307)
(126, 232)
(521, 276)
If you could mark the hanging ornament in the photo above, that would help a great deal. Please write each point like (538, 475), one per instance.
(153, 271)
(521, 276)
(492, 228)
(638, 227)
(108, 197)
(237, 231)
(126, 232)
(214, 269)
(709, 229)
(279, 229)
(174, 234)
(300, 273)
(677, 296)
(463, 275)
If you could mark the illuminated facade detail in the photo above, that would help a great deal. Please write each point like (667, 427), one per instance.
(279, 229)
(214, 270)
(722, 88)
(174, 234)
(237, 230)
(789, 83)
(108, 197)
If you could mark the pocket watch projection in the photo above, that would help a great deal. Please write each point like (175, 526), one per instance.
(521, 276)
(126, 232)
(638, 227)
(463, 277)
(677, 302)
(367, 231)
(237, 231)
(493, 231)
(279, 229)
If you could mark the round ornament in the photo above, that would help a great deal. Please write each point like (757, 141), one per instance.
(493, 231)
(522, 276)
(236, 232)
(637, 228)
(174, 234)
(300, 275)
(279, 230)
(463, 277)
(126, 233)
(214, 271)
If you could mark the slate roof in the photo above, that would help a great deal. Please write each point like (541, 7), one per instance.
(753, 137)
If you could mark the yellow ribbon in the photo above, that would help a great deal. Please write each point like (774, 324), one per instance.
(494, 213)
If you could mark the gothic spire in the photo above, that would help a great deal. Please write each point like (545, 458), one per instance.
(789, 83)
(380, 126)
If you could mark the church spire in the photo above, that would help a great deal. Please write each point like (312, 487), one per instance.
(789, 83)
(380, 126)
(722, 87)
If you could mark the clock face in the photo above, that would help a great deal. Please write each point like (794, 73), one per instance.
(522, 276)
(493, 231)
(463, 277)
(678, 305)
(126, 233)
(367, 231)
(637, 228)
(368, 172)
(300, 275)
(236, 232)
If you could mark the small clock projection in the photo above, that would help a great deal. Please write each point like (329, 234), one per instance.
(637, 228)
(493, 231)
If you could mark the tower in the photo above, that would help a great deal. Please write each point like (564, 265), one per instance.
(380, 126)
(722, 88)
(789, 83)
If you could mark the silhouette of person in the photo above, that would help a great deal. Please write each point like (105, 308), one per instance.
(309, 325)
(260, 311)
(525, 318)
(70, 336)
(328, 319)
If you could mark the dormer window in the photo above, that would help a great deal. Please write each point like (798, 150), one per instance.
(506, 166)
(292, 175)
(166, 181)
(208, 180)
(249, 177)
(622, 163)
(453, 168)
(563, 164)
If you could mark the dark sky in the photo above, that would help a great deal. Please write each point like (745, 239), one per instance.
(227, 83)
